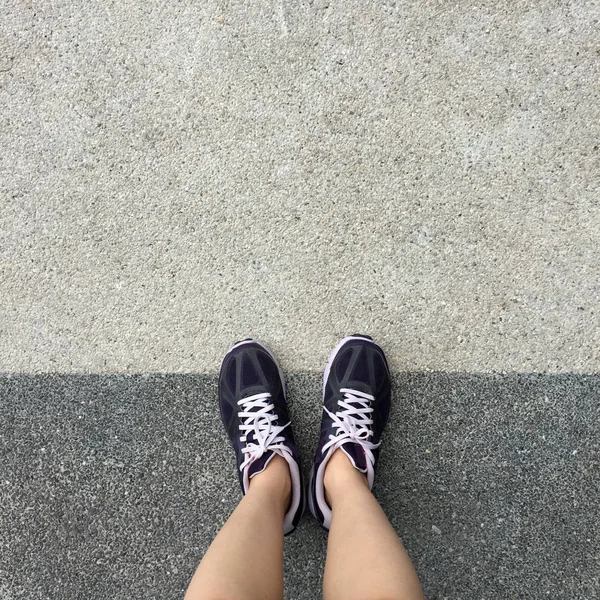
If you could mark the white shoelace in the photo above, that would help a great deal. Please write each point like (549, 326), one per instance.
(261, 423)
(353, 421)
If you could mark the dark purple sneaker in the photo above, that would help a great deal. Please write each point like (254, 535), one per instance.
(255, 415)
(356, 406)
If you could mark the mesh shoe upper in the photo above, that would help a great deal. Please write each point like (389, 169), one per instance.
(253, 408)
(356, 405)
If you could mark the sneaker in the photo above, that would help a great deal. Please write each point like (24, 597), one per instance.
(254, 412)
(356, 406)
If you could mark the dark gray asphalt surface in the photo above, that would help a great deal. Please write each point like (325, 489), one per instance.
(113, 486)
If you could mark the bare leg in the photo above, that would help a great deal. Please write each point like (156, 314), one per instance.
(245, 560)
(365, 557)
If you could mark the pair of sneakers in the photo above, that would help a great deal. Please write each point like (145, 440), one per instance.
(356, 405)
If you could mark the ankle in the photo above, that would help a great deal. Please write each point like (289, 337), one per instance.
(341, 475)
(275, 481)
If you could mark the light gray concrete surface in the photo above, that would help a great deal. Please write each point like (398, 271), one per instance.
(175, 175)
(114, 486)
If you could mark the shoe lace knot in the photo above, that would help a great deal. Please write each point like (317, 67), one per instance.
(353, 421)
(259, 422)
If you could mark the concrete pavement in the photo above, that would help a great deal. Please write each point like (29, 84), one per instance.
(175, 176)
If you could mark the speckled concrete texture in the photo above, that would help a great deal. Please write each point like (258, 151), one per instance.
(114, 486)
(174, 175)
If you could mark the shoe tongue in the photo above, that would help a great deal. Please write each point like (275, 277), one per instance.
(259, 464)
(356, 455)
